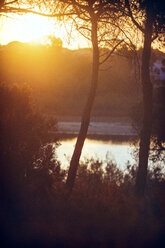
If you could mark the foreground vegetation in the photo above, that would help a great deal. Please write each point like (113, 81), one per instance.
(102, 211)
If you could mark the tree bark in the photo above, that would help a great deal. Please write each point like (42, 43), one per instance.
(145, 135)
(86, 113)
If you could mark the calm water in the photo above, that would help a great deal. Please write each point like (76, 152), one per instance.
(120, 152)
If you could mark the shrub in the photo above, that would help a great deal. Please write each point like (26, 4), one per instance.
(24, 141)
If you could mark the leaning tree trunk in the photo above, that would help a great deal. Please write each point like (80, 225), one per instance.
(147, 111)
(87, 112)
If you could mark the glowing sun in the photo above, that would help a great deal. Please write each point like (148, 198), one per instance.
(35, 28)
(25, 28)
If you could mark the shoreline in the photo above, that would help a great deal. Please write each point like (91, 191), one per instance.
(97, 130)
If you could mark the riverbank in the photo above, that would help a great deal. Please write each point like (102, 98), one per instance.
(99, 129)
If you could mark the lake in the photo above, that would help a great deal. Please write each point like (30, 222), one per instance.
(116, 150)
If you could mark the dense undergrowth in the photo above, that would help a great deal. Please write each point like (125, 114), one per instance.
(101, 212)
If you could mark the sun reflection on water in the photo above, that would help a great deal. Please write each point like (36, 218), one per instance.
(119, 152)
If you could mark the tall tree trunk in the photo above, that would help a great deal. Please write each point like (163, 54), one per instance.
(87, 112)
(147, 110)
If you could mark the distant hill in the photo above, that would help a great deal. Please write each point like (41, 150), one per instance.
(60, 78)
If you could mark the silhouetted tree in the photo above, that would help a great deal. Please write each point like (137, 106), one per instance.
(55, 42)
(88, 20)
(152, 23)
(158, 139)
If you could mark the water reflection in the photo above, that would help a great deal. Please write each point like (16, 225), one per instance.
(118, 151)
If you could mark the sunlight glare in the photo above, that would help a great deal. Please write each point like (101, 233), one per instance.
(25, 28)
(35, 28)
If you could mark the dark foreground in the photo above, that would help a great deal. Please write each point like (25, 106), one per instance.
(102, 211)
(34, 210)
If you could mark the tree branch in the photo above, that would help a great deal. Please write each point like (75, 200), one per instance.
(154, 37)
(14, 1)
(111, 52)
(127, 4)
(22, 10)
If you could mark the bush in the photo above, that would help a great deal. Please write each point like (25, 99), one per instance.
(101, 212)
(24, 142)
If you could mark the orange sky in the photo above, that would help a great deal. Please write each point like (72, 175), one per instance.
(35, 28)
(30, 27)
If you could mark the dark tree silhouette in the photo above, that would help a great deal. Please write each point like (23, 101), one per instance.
(152, 25)
(91, 15)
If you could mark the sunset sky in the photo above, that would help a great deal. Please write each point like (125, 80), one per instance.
(34, 28)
